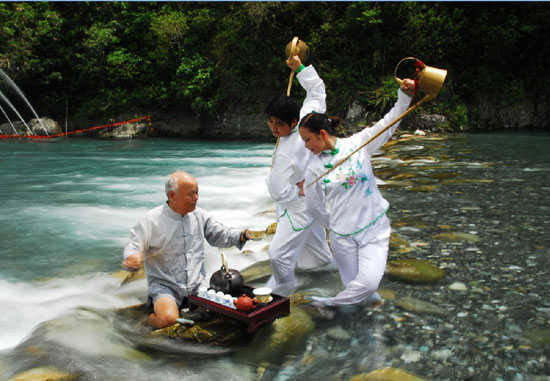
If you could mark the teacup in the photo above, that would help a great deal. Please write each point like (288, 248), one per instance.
(262, 294)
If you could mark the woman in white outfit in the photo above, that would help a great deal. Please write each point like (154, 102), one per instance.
(348, 202)
(298, 237)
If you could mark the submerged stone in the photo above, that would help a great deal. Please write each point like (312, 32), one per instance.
(396, 184)
(257, 271)
(403, 176)
(386, 374)
(424, 188)
(468, 181)
(457, 236)
(399, 245)
(539, 337)
(285, 336)
(44, 374)
(414, 271)
(458, 286)
(338, 333)
(443, 175)
(419, 306)
(386, 293)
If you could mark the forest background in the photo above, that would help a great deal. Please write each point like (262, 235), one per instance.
(97, 61)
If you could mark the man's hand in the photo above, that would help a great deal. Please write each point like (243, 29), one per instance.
(294, 62)
(245, 236)
(408, 86)
(133, 262)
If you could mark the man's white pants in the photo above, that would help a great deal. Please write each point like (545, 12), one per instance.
(361, 262)
(307, 247)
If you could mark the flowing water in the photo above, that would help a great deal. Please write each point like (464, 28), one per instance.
(66, 210)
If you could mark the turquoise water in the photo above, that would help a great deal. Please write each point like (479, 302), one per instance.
(72, 202)
(66, 209)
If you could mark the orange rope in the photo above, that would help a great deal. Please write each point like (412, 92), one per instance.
(37, 137)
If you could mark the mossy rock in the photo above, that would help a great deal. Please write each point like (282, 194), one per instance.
(257, 271)
(271, 229)
(399, 245)
(539, 337)
(418, 306)
(44, 374)
(414, 271)
(457, 236)
(386, 374)
(403, 176)
(423, 188)
(217, 330)
(285, 336)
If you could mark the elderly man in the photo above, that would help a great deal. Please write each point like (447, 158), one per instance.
(170, 240)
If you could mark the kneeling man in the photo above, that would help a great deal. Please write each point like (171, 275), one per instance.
(169, 239)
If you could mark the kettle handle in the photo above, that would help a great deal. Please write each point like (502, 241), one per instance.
(224, 264)
(399, 80)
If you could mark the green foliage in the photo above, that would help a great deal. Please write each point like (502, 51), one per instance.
(207, 57)
(383, 97)
(194, 80)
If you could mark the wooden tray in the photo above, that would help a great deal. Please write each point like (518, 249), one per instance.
(263, 314)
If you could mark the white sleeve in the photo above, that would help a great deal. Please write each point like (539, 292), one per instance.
(315, 199)
(403, 101)
(279, 181)
(315, 91)
(138, 240)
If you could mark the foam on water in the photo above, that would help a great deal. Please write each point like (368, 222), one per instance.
(25, 305)
(72, 218)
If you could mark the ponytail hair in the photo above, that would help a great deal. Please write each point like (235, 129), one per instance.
(316, 122)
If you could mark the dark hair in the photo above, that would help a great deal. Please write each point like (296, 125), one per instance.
(316, 122)
(284, 108)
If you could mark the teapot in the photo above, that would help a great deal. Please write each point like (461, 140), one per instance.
(227, 280)
(245, 303)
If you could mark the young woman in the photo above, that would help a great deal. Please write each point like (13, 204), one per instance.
(298, 238)
(347, 200)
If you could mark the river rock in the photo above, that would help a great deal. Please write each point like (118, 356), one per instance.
(133, 130)
(423, 188)
(386, 374)
(403, 176)
(338, 333)
(429, 122)
(285, 336)
(442, 175)
(399, 245)
(539, 337)
(386, 293)
(44, 126)
(418, 306)
(44, 374)
(458, 286)
(414, 271)
(257, 271)
(457, 236)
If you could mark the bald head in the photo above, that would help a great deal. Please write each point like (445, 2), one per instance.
(182, 191)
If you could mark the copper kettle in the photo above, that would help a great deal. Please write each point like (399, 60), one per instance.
(227, 280)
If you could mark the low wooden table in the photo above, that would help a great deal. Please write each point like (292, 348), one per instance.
(263, 314)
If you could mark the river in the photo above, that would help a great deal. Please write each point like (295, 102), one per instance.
(66, 209)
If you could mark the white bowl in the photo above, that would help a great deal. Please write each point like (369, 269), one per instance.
(262, 294)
